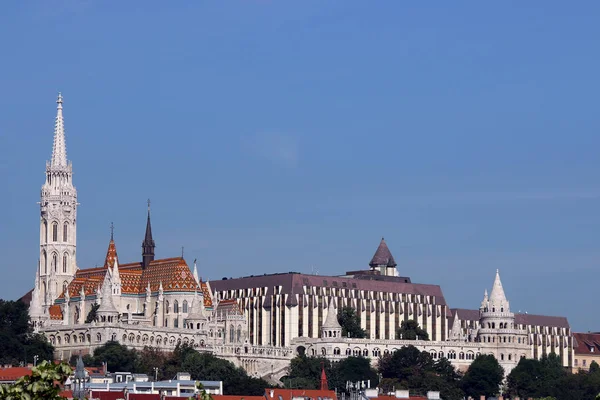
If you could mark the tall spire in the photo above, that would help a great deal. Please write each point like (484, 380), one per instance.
(196, 277)
(497, 297)
(324, 385)
(111, 253)
(148, 243)
(59, 149)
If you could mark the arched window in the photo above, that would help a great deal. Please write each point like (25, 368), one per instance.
(55, 262)
(55, 231)
(185, 306)
(239, 333)
(65, 262)
(175, 322)
(501, 356)
(231, 333)
(98, 337)
(166, 322)
(175, 306)
(45, 262)
(166, 307)
(45, 231)
(65, 232)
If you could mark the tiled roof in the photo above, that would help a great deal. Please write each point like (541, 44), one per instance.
(229, 306)
(541, 320)
(288, 394)
(586, 343)
(236, 397)
(104, 395)
(174, 274)
(14, 373)
(383, 256)
(292, 284)
(55, 312)
(384, 397)
(111, 255)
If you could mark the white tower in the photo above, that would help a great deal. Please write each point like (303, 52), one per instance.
(58, 220)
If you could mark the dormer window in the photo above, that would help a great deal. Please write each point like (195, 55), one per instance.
(591, 349)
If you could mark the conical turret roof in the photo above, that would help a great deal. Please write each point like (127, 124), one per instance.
(107, 306)
(111, 253)
(383, 256)
(497, 296)
(331, 322)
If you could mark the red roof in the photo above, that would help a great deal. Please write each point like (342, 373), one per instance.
(173, 273)
(236, 397)
(14, 373)
(288, 394)
(586, 343)
(386, 397)
(102, 395)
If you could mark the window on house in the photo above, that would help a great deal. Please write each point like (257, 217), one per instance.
(185, 306)
(175, 306)
(65, 232)
(65, 263)
(55, 232)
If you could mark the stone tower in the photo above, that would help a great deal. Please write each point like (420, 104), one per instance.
(497, 327)
(58, 223)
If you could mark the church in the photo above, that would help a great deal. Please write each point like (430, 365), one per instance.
(259, 322)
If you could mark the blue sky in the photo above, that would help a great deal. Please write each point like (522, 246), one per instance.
(291, 136)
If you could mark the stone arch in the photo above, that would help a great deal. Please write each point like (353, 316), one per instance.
(337, 351)
(348, 351)
(55, 231)
(65, 262)
(55, 261)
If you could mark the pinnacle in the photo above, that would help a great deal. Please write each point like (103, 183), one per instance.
(59, 149)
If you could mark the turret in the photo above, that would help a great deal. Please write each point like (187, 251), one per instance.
(383, 261)
(331, 327)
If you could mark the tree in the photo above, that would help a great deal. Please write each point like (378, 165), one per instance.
(594, 367)
(117, 357)
(483, 377)
(410, 330)
(17, 340)
(409, 368)
(43, 384)
(92, 314)
(350, 323)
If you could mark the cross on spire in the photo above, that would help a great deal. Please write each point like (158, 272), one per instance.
(148, 205)
(59, 149)
(112, 231)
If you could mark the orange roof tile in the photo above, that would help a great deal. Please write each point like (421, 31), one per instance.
(55, 312)
(288, 394)
(111, 255)
(14, 373)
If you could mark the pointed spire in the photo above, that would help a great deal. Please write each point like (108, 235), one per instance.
(331, 321)
(111, 253)
(107, 306)
(324, 385)
(148, 244)
(196, 273)
(116, 277)
(383, 257)
(59, 149)
(498, 299)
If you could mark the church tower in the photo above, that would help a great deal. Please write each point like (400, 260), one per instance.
(58, 221)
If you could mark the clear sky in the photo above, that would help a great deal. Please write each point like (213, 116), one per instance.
(291, 136)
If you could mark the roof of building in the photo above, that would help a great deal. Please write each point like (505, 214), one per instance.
(523, 319)
(13, 373)
(289, 394)
(236, 397)
(383, 256)
(293, 283)
(173, 273)
(586, 343)
(331, 321)
(55, 312)
(389, 397)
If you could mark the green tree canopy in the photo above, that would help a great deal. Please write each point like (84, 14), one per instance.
(117, 357)
(410, 330)
(43, 384)
(350, 323)
(409, 368)
(483, 377)
(18, 343)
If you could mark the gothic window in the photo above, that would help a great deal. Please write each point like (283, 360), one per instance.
(65, 231)
(502, 357)
(45, 262)
(239, 333)
(65, 263)
(185, 306)
(175, 306)
(55, 262)
(166, 322)
(175, 322)
(98, 337)
(166, 307)
(45, 231)
(55, 231)
(231, 333)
